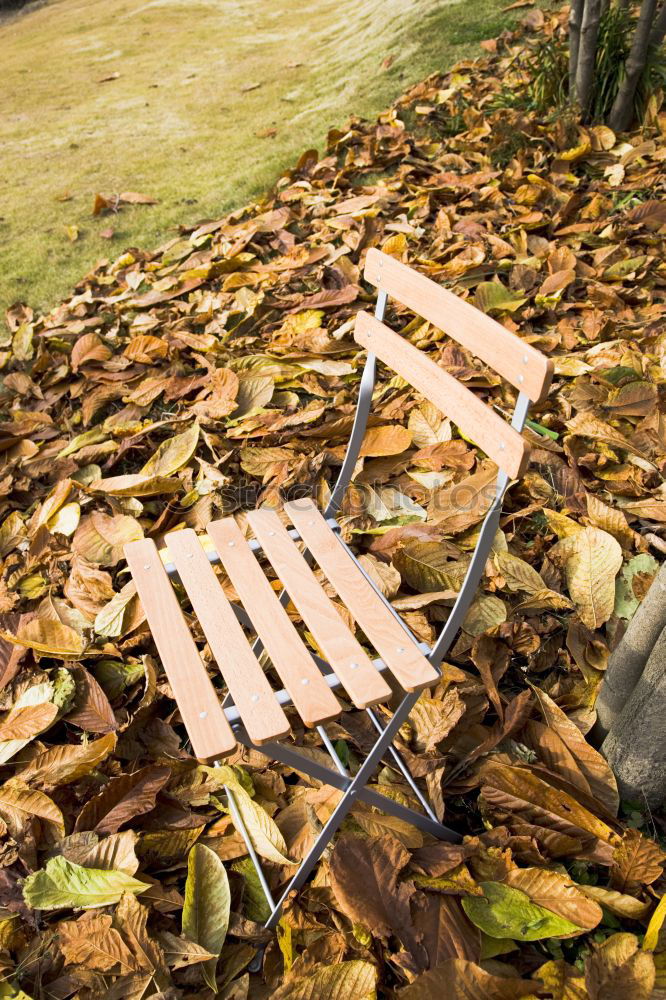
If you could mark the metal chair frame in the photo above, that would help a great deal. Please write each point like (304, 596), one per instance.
(356, 787)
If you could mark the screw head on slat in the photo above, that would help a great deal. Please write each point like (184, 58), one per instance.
(190, 555)
(525, 359)
(147, 566)
(305, 680)
(203, 715)
(271, 533)
(231, 544)
(521, 379)
(254, 698)
(502, 446)
(401, 649)
(354, 666)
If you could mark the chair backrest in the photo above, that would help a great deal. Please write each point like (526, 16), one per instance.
(519, 363)
(522, 365)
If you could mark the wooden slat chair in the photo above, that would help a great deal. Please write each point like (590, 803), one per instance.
(252, 713)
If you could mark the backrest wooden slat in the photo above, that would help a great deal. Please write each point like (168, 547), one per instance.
(346, 656)
(398, 651)
(311, 695)
(200, 708)
(477, 421)
(253, 696)
(519, 363)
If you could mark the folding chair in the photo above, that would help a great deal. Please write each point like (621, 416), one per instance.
(252, 712)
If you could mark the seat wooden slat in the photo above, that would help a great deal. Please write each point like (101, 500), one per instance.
(253, 696)
(518, 362)
(398, 651)
(200, 708)
(477, 421)
(311, 695)
(344, 653)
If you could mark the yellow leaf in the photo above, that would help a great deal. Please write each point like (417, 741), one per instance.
(66, 521)
(173, 454)
(656, 922)
(100, 538)
(51, 638)
(262, 830)
(591, 560)
(354, 980)
(391, 439)
(617, 902)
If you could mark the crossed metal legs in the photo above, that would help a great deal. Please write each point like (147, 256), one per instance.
(353, 788)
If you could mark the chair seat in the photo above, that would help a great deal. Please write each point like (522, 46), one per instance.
(257, 705)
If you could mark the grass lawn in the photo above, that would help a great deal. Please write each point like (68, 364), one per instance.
(207, 101)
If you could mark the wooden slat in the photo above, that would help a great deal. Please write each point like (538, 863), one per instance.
(312, 697)
(498, 439)
(396, 648)
(519, 363)
(253, 696)
(197, 700)
(353, 666)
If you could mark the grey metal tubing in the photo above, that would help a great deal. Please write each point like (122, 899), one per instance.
(356, 439)
(363, 405)
(404, 770)
(242, 829)
(326, 740)
(214, 558)
(470, 583)
(292, 758)
(483, 547)
(284, 698)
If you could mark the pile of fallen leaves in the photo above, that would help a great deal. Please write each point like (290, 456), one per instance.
(219, 373)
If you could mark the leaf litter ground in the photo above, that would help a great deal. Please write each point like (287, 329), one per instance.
(218, 373)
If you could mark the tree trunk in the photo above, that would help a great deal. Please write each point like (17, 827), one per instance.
(630, 656)
(622, 111)
(587, 54)
(635, 748)
(659, 30)
(575, 21)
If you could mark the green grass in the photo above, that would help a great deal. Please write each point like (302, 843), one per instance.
(176, 123)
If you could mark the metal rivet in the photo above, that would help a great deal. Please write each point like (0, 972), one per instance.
(304, 681)
(401, 649)
(254, 698)
(354, 666)
(231, 544)
(521, 379)
(202, 715)
(147, 566)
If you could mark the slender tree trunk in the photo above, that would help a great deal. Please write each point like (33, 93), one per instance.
(630, 656)
(575, 21)
(587, 54)
(659, 29)
(635, 748)
(622, 111)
